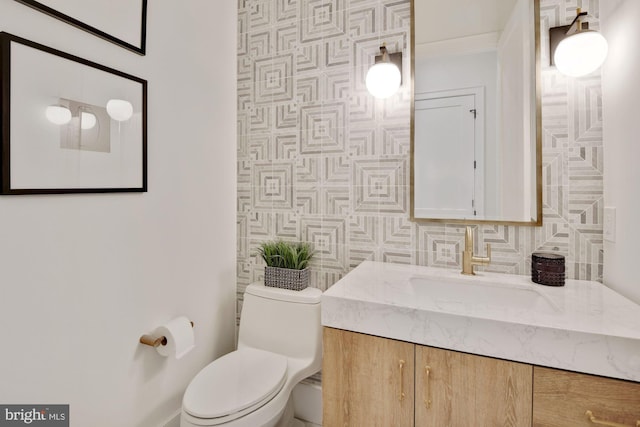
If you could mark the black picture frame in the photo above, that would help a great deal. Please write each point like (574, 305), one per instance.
(98, 149)
(94, 28)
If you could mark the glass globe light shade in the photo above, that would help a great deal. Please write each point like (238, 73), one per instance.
(119, 109)
(87, 120)
(581, 53)
(383, 79)
(58, 114)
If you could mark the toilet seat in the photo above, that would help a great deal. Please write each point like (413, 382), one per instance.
(234, 385)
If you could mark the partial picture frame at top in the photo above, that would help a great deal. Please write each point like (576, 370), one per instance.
(123, 22)
(69, 125)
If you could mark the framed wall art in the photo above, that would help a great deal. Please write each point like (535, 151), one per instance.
(123, 22)
(69, 125)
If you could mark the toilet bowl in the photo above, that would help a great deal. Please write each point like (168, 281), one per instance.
(279, 344)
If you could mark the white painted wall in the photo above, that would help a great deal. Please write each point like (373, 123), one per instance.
(515, 102)
(443, 20)
(83, 276)
(621, 110)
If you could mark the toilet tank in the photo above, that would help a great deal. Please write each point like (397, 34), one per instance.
(282, 321)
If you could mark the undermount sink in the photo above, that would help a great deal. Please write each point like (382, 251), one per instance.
(466, 294)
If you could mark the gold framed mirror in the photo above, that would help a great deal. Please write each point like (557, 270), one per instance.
(476, 140)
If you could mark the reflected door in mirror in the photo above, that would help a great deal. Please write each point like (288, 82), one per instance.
(446, 133)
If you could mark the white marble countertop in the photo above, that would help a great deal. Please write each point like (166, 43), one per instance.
(583, 326)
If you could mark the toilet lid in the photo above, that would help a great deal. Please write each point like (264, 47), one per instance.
(241, 379)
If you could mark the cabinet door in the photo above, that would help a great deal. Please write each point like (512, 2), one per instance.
(366, 380)
(562, 399)
(458, 389)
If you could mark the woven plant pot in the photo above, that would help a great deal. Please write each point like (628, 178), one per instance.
(286, 278)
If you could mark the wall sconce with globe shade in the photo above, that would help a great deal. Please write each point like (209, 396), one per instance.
(385, 75)
(575, 49)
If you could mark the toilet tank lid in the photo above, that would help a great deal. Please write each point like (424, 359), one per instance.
(305, 296)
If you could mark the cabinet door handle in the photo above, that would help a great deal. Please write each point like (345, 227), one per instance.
(594, 420)
(401, 364)
(427, 373)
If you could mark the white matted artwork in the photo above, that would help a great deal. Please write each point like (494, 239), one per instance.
(69, 125)
(122, 22)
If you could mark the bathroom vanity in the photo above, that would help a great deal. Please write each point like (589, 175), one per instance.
(410, 345)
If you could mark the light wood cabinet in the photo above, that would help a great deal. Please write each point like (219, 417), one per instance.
(458, 389)
(380, 382)
(561, 399)
(362, 385)
(364, 379)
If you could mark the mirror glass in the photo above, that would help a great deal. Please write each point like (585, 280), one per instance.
(476, 150)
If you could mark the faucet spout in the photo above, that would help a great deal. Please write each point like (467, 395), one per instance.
(468, 258)
(468, 240)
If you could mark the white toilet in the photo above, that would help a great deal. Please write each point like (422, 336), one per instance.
(279, 344)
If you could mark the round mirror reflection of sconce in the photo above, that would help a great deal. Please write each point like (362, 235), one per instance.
(575, 49)
(58, 114)
(87, 120)
(119, 109)
(384, 77)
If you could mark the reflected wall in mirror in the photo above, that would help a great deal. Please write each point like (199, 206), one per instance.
(476, 149)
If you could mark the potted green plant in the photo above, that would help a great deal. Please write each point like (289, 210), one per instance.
(287, 264)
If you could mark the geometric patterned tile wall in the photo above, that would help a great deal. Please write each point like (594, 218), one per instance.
(320, 160)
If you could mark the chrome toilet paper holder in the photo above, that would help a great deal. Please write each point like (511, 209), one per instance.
(155, 341)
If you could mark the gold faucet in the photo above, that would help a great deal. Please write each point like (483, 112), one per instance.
(468, 258)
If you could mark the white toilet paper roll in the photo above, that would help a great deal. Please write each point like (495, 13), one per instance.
(180, 337)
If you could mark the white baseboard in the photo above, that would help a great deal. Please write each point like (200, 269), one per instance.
(174, 421)
(307, 402)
